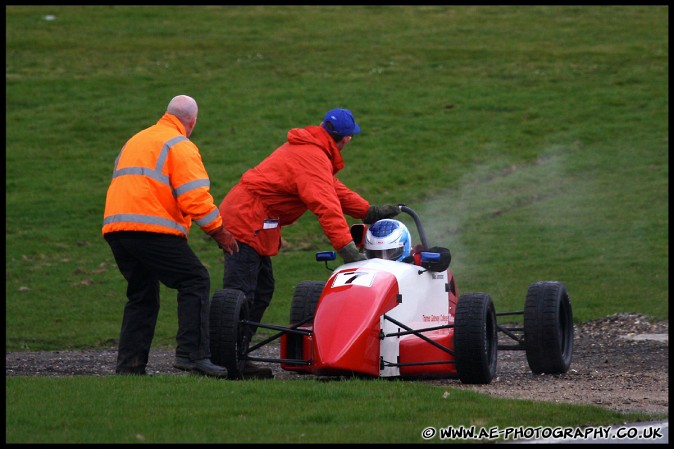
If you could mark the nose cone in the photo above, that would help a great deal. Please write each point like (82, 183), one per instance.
(347, 326)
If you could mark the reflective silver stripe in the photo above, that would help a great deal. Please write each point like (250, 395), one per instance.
(155, 173)
(143, 171)
(192, 185)
(145, 219)
(163, 154)
(205, 221)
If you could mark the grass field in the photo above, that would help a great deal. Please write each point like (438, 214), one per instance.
(533, 141)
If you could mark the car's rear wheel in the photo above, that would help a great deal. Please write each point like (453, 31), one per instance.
(475, 338)
(229, 338)
(305, 300)
(548, 328)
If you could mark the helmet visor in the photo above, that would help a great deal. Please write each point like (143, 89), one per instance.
(386, 254)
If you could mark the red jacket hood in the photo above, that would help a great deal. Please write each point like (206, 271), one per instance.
(315, 135)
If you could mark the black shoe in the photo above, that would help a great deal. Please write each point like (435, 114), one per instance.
(184, 363)
(201, 366)
(253, 371)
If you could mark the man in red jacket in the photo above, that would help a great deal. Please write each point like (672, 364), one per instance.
(298, 176)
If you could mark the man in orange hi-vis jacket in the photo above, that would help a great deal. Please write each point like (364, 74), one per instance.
(296, 177)
(159, 186)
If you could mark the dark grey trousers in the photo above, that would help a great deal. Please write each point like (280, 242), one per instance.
(252, 274)
(146, 259)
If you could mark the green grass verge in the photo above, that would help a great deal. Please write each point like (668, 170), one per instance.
(188, 409)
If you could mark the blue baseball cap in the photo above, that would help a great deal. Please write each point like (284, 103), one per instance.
(339, 123)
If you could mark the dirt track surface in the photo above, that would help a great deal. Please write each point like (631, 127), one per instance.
(620, 362)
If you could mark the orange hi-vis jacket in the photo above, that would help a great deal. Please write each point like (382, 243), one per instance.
(159, 184)
(298, 176)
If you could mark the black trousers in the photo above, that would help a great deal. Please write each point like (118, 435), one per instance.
(145, 259)
(253, 275)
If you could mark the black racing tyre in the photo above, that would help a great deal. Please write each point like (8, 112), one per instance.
(548, 328)
(229, 341)
(475, 338)
(305, 300)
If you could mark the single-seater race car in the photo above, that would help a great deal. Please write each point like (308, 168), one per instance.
(398, 318)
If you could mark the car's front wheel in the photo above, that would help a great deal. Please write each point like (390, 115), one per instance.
(229, 338)
(305, 300)
(475, 338)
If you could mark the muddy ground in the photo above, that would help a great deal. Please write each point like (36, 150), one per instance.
(620, 362)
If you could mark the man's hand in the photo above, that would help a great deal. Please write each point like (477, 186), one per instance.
(225, 240)
(350, 253)
(376, 213)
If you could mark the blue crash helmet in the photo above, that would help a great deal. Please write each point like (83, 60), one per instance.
(387, 239)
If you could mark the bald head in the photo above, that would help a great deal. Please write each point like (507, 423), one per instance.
(185, 108)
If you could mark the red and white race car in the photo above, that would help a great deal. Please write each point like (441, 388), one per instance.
(385, 318)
